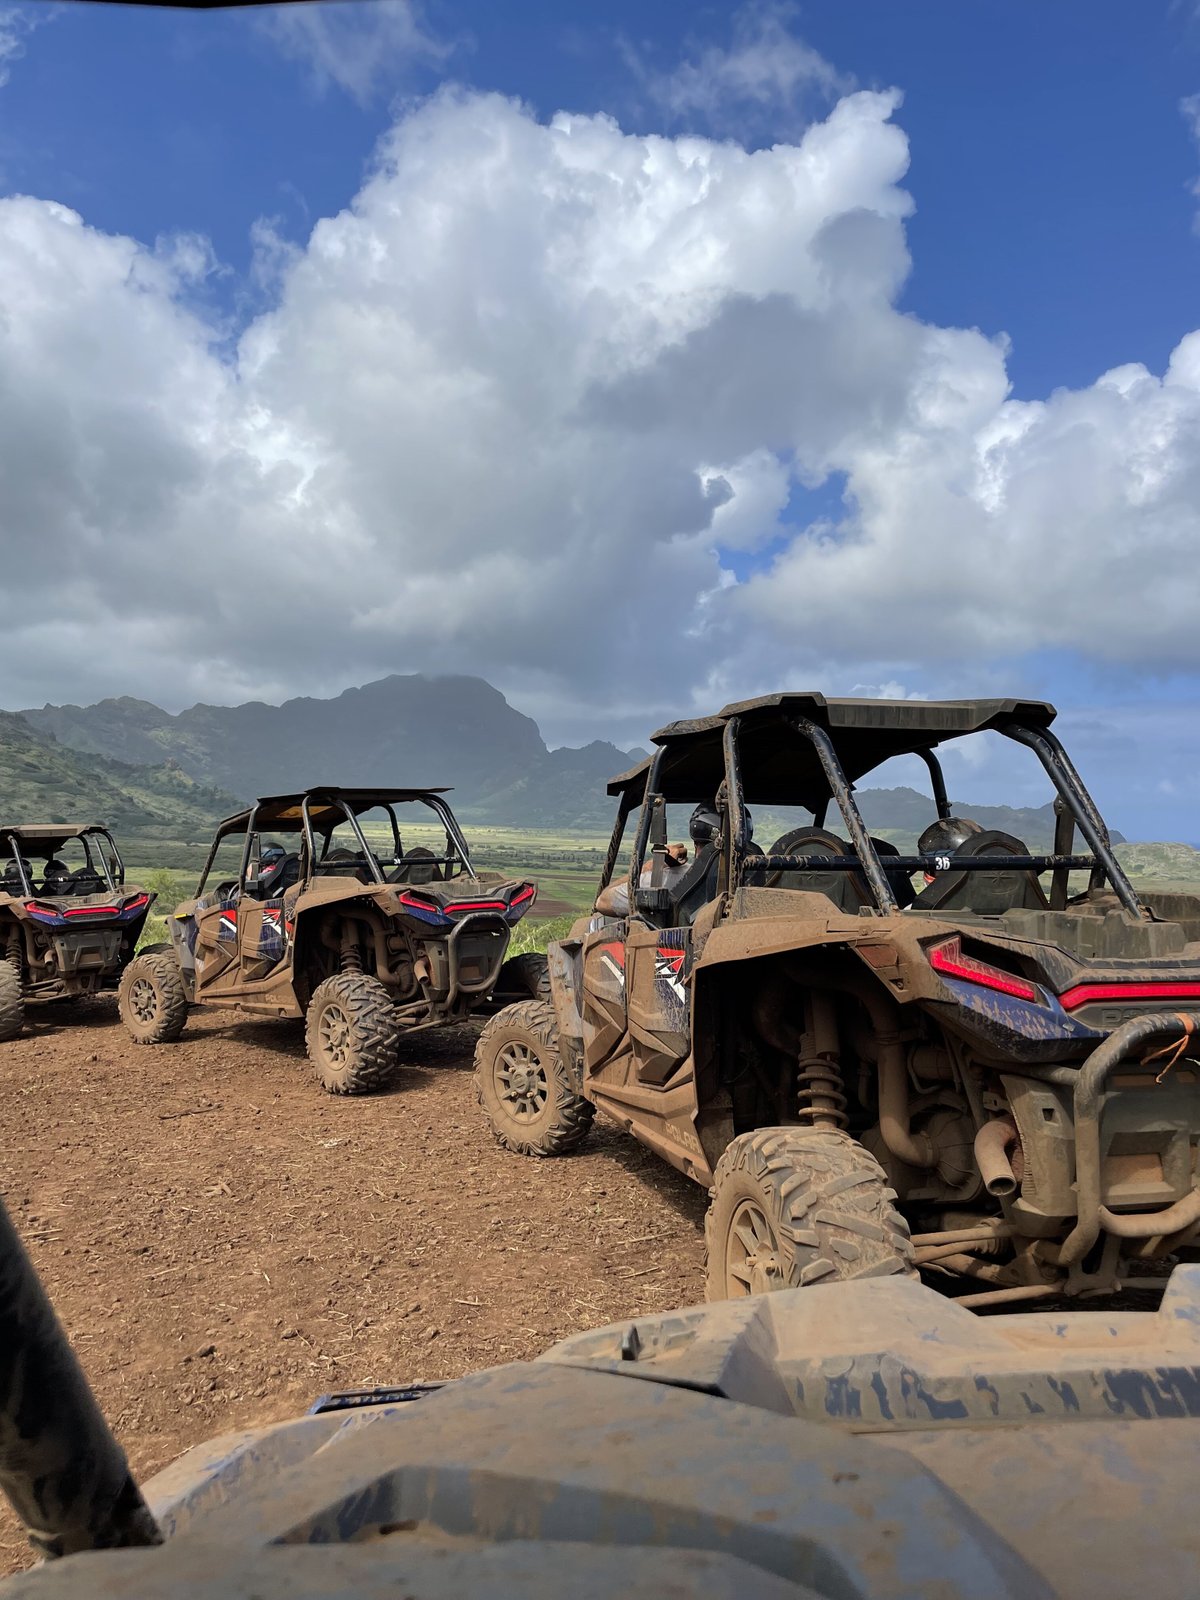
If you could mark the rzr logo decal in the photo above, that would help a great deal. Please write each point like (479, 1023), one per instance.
(271, 937)
(668, 969)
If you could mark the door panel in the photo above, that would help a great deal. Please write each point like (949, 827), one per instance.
(657, 962)
(216, 948)
(605, 1034)
(262, 938)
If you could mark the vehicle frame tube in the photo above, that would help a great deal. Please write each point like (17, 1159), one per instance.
(60, 1466)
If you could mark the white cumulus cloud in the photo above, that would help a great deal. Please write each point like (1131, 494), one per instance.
(16, 23)
(505, 408)
(357, 46)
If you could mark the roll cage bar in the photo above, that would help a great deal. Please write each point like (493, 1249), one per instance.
(1074, 807)
(111, 870)
(247, 823)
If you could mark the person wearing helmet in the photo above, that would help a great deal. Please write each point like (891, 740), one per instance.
(704, 829)
(56, 877)
(944, 837)
(271, 861)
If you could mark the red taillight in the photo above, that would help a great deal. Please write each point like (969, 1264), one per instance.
(949, 960)
(1086, 994)
(36, 909)
(527, 893)
(136, 904)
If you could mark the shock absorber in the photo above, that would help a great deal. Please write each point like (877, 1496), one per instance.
(351, 952)
(820, 1095)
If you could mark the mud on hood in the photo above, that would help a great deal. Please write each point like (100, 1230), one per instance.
(865, 1441)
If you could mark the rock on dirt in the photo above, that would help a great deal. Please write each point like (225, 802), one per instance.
(224, 1242)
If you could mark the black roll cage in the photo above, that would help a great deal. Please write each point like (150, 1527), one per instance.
(1075, 807)
(457, 850)
(113, 879)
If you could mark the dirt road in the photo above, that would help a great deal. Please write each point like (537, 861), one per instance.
(224, 1242)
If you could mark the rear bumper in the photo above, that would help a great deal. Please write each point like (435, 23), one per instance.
(86, 952)
(1091, 1089)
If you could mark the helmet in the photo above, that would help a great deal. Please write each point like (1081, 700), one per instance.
(12, 873)
(704, 826)
(946, 835)
(271, 855)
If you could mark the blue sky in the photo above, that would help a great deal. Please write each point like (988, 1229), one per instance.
(1051, 162)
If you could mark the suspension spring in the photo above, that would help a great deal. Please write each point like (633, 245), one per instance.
(820, 1097)
(351, 954)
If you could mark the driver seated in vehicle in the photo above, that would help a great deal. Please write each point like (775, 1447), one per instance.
(944, 837)
(270, 869)
(613, 901)
(56, 878)
(11, 883)
(678, 878)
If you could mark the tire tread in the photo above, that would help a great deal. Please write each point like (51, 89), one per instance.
(377, 1031)
(12, 1000)
(830, 1201)
(163, 969)
(573, 1115)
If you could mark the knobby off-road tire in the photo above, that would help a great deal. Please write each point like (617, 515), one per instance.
(522, 1082)
(798, 1206)
(151, 999)
(528, 973)
(12, 1002)
(352, 1034)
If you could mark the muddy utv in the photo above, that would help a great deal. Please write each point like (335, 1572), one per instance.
(69, 923)
(977, 1062)
(877, 1442)
(330, 918)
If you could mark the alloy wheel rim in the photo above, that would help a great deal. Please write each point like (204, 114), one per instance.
(143, 1000)
(753, 1258)
(334, 1034)
(521, 1081)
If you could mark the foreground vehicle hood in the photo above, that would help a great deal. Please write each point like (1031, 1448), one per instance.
(867, 1439)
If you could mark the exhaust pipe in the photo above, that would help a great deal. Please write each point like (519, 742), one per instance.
(992, 1144)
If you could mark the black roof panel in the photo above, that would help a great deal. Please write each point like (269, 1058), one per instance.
(281, 812)
(780, 766)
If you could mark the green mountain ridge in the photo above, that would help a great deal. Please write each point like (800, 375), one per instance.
(44, 781)
(453, 731)
(156, 776)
